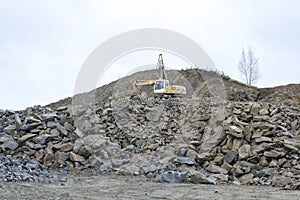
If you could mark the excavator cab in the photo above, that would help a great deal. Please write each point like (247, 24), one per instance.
(160, 85)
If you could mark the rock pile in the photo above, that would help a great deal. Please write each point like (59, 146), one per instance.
(160, 138)
(259, 143)
(42, 135)
(16, 169)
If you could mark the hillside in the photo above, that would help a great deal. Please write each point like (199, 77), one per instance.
(196, 86)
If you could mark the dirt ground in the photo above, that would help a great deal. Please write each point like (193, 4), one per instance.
(117, 187)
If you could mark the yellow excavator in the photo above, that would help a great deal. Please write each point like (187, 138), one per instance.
(161, 86)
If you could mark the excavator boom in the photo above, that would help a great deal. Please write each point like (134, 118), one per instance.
(161, 68)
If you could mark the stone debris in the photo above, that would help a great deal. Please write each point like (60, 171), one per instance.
(172, 139)
(20, 169)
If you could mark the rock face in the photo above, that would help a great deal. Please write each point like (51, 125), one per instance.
(173, 139)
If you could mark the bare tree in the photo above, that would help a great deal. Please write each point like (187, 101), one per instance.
(248, 67)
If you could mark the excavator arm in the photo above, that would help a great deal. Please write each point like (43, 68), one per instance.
(141, 83)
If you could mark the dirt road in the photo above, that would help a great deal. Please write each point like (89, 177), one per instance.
(116, 187)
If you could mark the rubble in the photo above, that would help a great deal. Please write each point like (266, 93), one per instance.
(140, 135)
(20, 169)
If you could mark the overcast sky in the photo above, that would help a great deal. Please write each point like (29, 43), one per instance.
(44, 43)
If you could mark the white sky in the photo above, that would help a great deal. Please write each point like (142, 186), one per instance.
(44, 43)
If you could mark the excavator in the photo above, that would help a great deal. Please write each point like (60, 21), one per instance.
(161, 86)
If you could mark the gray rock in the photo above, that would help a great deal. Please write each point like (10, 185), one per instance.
(77, 145)
(9, 144)
(262, 139)
(66, 147)
(234, 134)
(116, 163)
(274, 154)
(49, 159)
(144, 96)
(9, 129)
(282, 181)
(149, 168)
(198, 177)
(185, 160)
(38, 146)
(26, 137)
(54, 132)
(191, 154)
(216, 169)
(246, 178)
(18, 121)
(95, 141)
(62, 108)
(154, 115)
(201, 158)
(292, 142)
(49, 115)
(230, 156)
(235, 129)
(244, 151)
(95, 162)
(255, 108)
(31, 119)
(61, 157)
(69, 127)
(32, 125)
(42, 139)
(172, 177)
(77, 158)
(263, 111)
(62, 130)
(79, 133)
(85, 151)
(52, 124)
(130, 169)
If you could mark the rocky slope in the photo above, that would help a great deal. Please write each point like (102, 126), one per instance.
(250, 137)
(196, 81)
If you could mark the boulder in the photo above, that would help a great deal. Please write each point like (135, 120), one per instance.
(76, 158)
(26, 137)
(10, 129)
(244, 151)
(230, 157)
(172, 177)
(85, 151)
(198, 177)
(216, 169)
